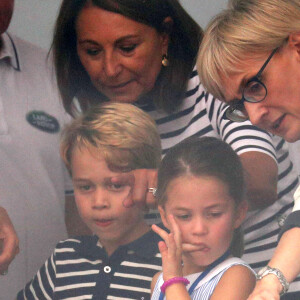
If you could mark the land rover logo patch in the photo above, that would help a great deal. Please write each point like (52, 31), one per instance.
(42, 121)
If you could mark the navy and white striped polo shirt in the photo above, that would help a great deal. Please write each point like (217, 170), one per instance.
(79, 268)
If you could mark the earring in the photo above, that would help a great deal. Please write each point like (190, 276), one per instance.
(165, 62)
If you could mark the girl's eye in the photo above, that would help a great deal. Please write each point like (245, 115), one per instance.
(128, 48)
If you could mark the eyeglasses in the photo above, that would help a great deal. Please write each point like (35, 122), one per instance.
(254, 91)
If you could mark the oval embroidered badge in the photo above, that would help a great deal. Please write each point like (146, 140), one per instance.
(43, 121)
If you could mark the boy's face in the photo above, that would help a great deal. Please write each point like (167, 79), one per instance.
(100, 202)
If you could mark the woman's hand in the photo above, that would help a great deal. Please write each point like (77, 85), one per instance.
(170, 249)
(268, 288)
(140, 181)
(9, 242)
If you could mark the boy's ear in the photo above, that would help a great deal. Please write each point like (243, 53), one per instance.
(163, 216)
(241, 214)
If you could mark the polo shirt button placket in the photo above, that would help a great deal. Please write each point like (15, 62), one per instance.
(107, 269)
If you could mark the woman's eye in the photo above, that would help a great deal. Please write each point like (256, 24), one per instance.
(128, 48)
(254, 87)
(92, 52)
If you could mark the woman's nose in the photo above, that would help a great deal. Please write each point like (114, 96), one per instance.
(111, 65)
(257, 113)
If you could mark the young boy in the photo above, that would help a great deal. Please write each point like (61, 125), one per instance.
(120, 259)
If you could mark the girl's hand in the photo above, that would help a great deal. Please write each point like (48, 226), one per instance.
(139, 180)
(170, 249)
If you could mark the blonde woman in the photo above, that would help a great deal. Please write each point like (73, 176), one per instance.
(250, 58)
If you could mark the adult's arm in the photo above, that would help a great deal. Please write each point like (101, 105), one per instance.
(255, 147)
(9, 242)
(286, 257)
(75, 225)
(261, 174)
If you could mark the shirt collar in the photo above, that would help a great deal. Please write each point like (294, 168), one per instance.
(146, 246)
(9, 51)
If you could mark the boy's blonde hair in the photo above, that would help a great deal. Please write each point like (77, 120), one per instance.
(125, 135)
(248, 29)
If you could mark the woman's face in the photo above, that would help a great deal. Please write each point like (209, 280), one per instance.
(279, 112)
(121, 56)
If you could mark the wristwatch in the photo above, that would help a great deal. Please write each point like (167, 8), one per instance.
(268, 270)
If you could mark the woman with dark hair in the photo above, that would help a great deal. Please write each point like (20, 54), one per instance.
(144, 52)
(167, 20)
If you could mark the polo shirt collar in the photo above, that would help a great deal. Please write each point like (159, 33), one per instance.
(145, 246)
(9, 50)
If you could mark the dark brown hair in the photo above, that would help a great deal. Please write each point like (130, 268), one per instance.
(205, 156)
(168, 92)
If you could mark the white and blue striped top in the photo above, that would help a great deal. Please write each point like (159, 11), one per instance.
(205, 287)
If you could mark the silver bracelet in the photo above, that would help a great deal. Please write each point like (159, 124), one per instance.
(268, 270)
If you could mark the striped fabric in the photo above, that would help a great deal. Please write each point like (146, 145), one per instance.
(206, 287)
(80, 269)
(202, 115)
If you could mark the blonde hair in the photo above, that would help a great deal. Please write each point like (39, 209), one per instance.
(248, 29)
(125, 135)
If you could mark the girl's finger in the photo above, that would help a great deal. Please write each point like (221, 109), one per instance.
(163, 249)
(176, 230)
(189, 247)
(162, 233)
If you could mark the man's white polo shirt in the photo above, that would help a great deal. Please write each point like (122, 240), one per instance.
(32, 175)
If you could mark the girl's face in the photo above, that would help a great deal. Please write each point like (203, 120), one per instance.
(279, 112)
(121, 56)
(206, 216)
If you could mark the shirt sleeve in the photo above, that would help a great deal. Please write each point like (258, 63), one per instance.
(293, 220)
(43, 283)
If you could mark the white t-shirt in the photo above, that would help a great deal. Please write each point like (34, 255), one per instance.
(33, 178)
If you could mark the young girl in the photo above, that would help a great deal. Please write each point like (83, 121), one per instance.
(201, 201)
